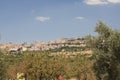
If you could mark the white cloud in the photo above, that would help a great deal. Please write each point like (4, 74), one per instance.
(79, 18)
(42, 19)
(100, 2)
(114, 1)
(95, 2)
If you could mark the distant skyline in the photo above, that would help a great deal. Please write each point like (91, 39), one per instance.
(44, 20)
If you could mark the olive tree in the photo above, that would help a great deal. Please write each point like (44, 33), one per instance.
(106, 47)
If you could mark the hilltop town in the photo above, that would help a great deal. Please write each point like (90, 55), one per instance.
(41, 45)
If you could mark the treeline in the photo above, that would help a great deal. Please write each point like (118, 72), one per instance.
(68, 49)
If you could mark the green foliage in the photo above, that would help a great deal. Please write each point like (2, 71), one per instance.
(80, 67)
(2, 70)
(2, 67)
(44, 66)
(68, 49)
(103, 30)
(5, 62)
(106, 48)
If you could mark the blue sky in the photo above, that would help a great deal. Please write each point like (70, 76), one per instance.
(44, 20)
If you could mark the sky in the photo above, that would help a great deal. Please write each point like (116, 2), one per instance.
(44, 20)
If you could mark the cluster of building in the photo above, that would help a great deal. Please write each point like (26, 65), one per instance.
(40, 45)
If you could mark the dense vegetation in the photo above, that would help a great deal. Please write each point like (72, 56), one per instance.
(39, 66)
(106, 47)
(104, 64)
